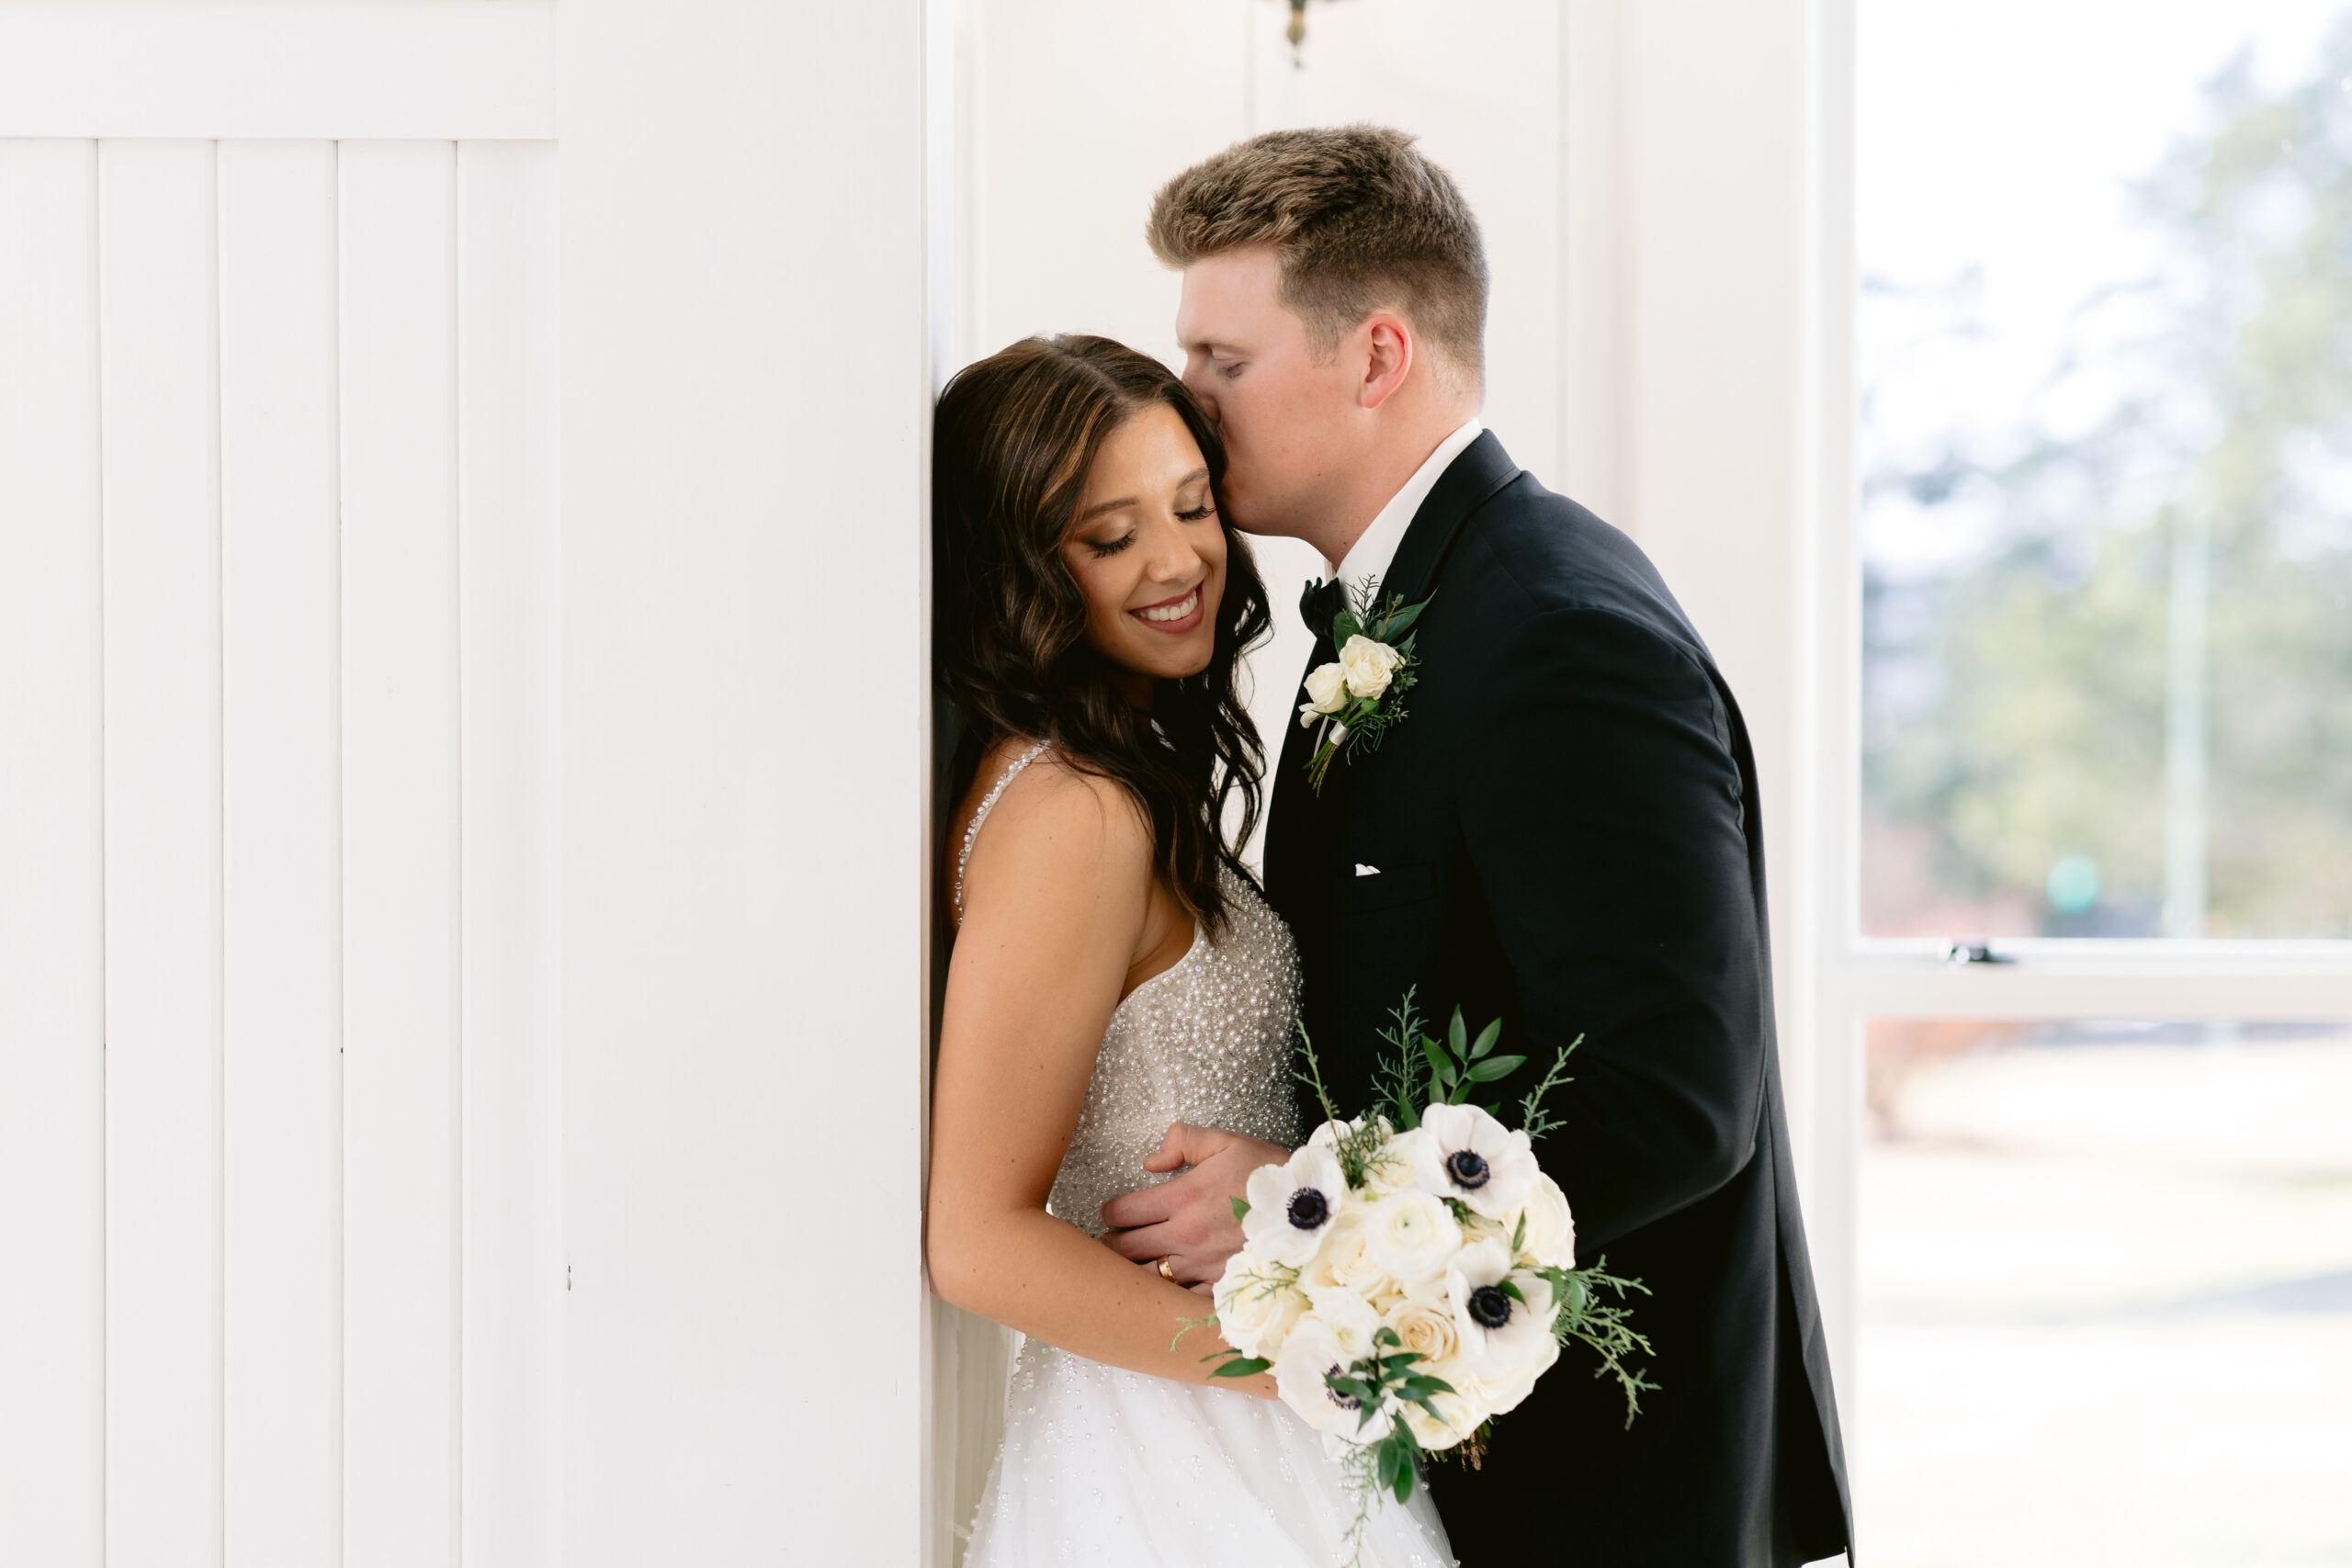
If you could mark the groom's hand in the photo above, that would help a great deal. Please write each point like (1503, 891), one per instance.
(1190, 1220)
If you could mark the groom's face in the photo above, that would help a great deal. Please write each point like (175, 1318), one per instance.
(1287, 412)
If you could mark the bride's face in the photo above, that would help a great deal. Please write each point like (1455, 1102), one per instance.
(1147, 548)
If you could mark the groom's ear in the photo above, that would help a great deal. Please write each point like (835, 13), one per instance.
(1386, 344)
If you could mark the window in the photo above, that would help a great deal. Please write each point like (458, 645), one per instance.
(2105, 1293)
(2089, 726)
(2105, 373)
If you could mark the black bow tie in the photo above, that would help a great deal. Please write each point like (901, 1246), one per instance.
(1321, 603)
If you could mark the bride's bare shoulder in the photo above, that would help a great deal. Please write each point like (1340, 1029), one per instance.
(1053, 820)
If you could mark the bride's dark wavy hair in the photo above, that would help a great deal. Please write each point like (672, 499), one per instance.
(1015, 436)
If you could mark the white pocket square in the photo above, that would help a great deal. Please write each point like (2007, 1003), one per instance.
(1363, 870)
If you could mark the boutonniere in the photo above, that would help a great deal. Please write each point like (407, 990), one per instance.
(1357, 698)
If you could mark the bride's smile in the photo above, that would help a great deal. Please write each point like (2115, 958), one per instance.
(1172, 616)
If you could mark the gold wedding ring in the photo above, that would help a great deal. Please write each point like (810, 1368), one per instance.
(1167, 1273)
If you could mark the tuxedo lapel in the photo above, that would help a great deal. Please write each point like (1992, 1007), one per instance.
(1301, 819)
(1468, 483)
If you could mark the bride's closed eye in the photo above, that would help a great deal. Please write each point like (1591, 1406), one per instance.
(1105, 549)
(1202, 510)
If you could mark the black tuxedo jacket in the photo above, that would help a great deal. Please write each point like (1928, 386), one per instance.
(1566, 836)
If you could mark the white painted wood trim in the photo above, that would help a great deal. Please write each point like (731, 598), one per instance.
(510, 698)
(159, 381)
(52, 964)
(282, 1082)
(278, 68)
(403, 1053)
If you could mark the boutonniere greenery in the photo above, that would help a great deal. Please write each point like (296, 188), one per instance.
(1357, 697)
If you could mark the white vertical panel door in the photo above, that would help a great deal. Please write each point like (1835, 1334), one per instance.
(432, 919)
(52, 1013)
(281, 1084)
(280, 1181)
(159, 428)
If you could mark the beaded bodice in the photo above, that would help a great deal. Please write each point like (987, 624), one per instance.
(1207, 1042)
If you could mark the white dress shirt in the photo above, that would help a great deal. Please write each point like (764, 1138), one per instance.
(1375, 547)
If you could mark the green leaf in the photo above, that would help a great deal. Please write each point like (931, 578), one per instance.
(1496, 1067)
(1486, 1041)
(1241, 1207)
(1396, 1465)
(1245, 1367)
(1511, 1290)
(1437, 1059)
(1344, 626)
(1402, 621)
(1457, 1036)
(1384, 1335)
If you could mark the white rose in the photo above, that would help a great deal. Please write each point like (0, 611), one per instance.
(1327, 692)
(1551, 1236)
(1425, 1325)
(1459, 1414)
(1369, 666)
(1344, 1268)
(1257, 1304)
(1475, 1158)
(1412, 1235)
(1291, 1204)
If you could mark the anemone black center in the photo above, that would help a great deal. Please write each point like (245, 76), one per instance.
(1309, 1209)
(1489, 1308)
(1468, 1170)
(1344, 1401)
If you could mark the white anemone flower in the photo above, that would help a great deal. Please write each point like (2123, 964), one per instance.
(1506, 1339)
(1471, 1156)
(1291, 1204)
(1308, 1357)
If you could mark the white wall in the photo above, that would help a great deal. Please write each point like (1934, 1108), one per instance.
(746, 376)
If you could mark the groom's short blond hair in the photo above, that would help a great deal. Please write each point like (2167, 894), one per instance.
(1359, 221)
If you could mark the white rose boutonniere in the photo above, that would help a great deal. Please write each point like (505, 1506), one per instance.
(1356, 697)
(1368, 667)
(1326, 694)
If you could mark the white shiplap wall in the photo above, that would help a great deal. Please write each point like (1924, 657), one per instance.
(277, 1003)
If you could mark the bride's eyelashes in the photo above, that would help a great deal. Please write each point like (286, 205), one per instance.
(1202, 510)
(1105, 549)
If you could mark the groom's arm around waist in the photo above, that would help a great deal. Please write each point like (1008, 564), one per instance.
(1603, 817)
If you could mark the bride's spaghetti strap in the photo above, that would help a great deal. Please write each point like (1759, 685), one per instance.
(964, 860)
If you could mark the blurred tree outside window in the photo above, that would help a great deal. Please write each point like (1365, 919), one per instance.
(2105, 371)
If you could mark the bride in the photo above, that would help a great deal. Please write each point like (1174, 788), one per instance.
(1115, 969)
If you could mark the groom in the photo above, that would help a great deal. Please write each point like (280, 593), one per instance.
(1563, 833)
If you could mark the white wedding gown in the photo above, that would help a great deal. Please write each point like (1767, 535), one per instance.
(1101, 1465)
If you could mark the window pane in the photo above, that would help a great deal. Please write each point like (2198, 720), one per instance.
(2105, 1295)
(2105, 365)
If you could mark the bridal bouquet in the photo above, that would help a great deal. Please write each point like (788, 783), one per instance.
(1409, 1274)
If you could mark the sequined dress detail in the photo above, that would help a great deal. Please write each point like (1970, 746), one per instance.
(1100, 1464)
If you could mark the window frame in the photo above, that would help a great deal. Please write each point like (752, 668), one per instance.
(1852, 978)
